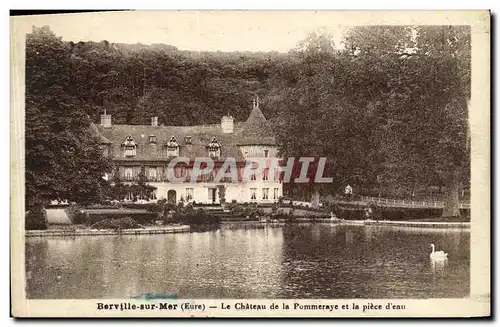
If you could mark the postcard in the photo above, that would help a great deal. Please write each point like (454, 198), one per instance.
(251, 164)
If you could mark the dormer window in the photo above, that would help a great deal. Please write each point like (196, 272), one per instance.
(152, 138)
(172, 147)
(130, 147)
(214, 148)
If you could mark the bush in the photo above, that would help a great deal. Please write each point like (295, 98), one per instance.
(36, 219)
(144, 218)
(199, 217)
(121, 223)
(186, 214)
(147, 206)
(75, 214)
(103, 206)
(280, 215)
(245, 210)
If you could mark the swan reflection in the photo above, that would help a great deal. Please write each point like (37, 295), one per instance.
(438, 266)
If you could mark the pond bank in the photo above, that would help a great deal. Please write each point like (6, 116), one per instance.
(93, 232)
(425, 224)
(187, 229)
(428, 224)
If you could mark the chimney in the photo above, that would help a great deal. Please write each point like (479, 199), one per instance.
(105, 120)
(154, 121)
(227, 124)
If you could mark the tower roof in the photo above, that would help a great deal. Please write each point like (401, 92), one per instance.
(257, 129)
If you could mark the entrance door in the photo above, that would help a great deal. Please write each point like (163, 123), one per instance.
(172, 196)
(212, 195)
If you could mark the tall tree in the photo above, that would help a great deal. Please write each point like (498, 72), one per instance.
(63, 159)
(424, 104)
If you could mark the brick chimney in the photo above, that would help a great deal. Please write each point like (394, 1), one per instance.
(105, 120)
(154, 121)
(227, 124)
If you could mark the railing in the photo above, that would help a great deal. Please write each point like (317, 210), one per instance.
(410, 203)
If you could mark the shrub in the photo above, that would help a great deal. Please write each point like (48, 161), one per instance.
(75, 214)
(144, 218)
(199, 217)
(187, 215)
(222, 194)
(35, 219)
(245, 210)
(121, 223)
(280, 215)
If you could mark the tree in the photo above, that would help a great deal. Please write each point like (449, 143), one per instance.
(63, 158)
(424, 123)
(389, 110)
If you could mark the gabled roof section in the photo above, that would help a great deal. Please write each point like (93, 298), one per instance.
(201, 136)
(214, 144)
(129, 141)
(172, 143)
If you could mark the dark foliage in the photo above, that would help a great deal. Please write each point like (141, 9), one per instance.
(36, 218)
(144, 218)
(119, 223)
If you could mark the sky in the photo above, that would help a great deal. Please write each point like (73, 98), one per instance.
(193, 30)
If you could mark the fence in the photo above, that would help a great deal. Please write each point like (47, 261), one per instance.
(410, 203)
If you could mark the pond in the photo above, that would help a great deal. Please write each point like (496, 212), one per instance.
(314, 261)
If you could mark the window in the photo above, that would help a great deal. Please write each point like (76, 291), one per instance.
(130, 151)
(152, 195)
(266, 153)
(152, 139)
(187, 140)
(253, 194)
(214, 148)
(172, 152)
(189, 194)
(129, 146)
(276, 193)
(152, 173)
(129, 173)
(265, 174)
(253, 177)
(172, 147)
(105, 150)
(265, 194)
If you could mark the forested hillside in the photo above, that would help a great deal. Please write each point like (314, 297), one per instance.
(388, 109)
(135, 82)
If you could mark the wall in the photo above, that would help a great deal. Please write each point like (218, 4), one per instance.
(237, 191)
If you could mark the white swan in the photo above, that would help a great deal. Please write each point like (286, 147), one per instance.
(438, 255)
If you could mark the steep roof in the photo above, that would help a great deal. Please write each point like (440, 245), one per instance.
(257, 130)
(201, 136)
(95, 131)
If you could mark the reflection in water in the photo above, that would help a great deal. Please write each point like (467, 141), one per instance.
(438, 266)
(280, 261)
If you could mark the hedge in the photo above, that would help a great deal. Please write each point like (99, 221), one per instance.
(143, 218)
(121, 223)
(36, 219)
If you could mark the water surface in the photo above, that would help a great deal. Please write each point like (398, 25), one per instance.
(291, 261)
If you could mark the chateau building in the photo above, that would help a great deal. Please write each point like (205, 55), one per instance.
(145, 151)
